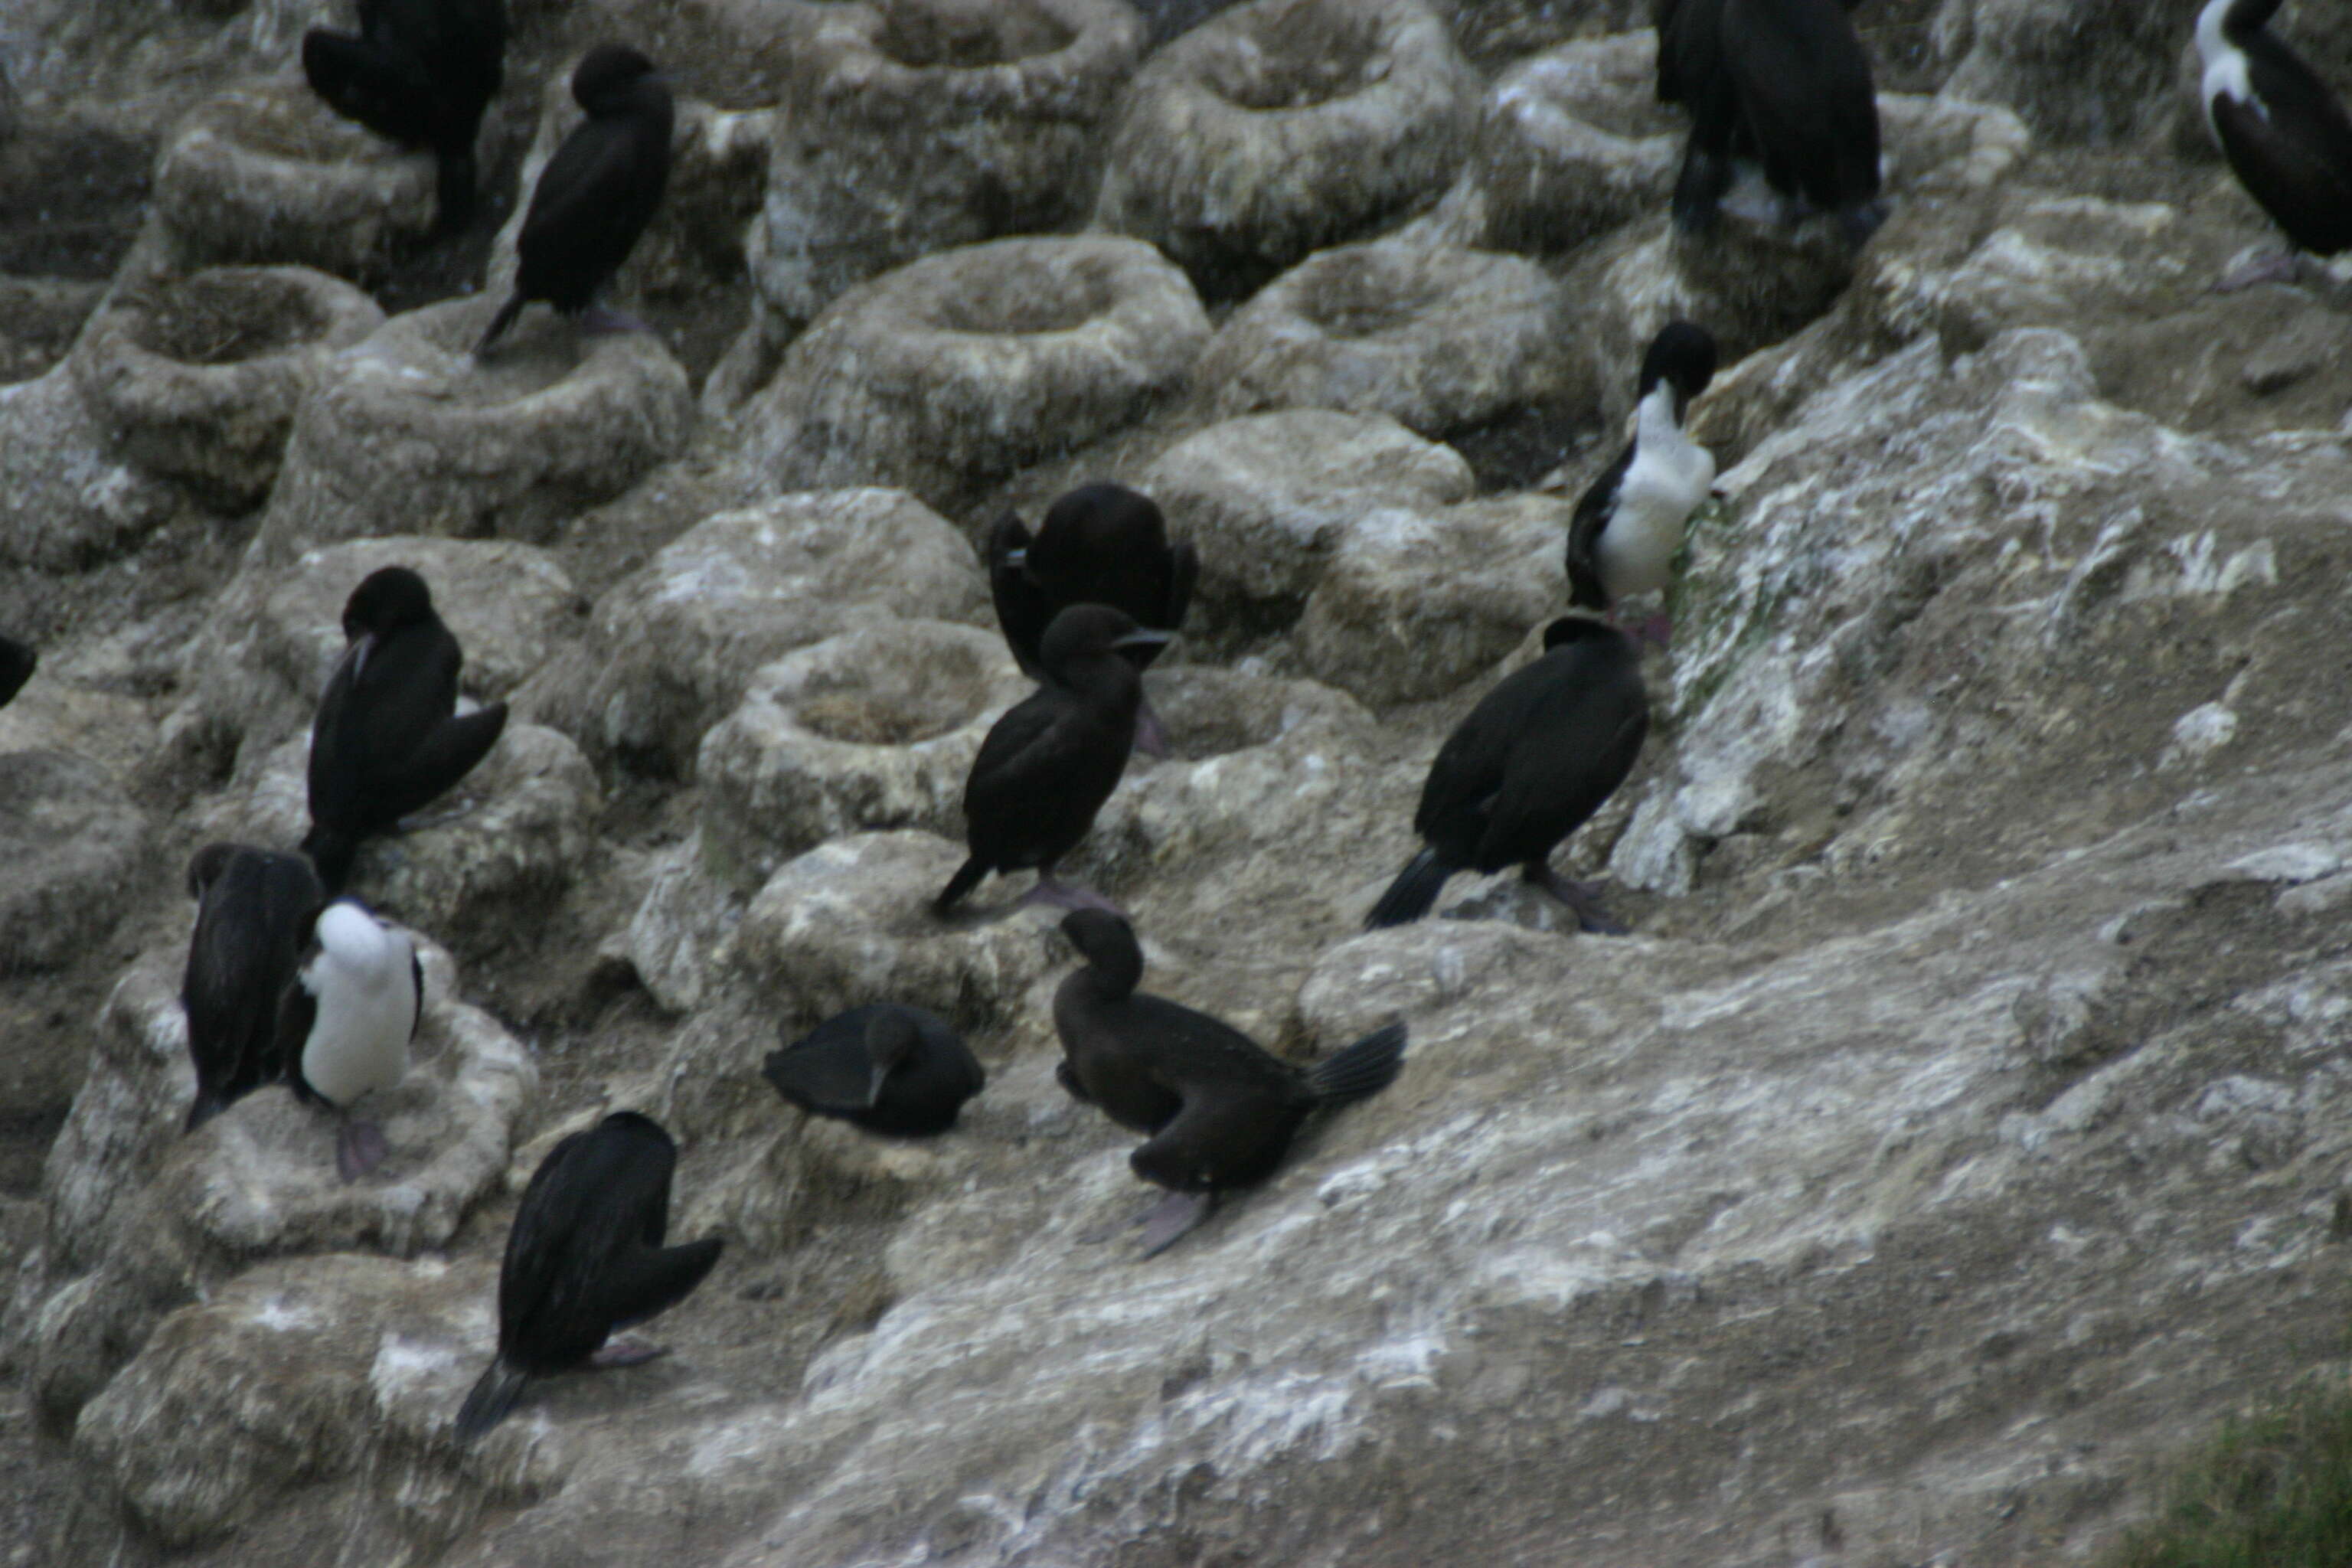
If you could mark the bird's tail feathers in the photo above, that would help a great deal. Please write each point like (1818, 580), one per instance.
(1360, 1071)
(332, 852)
(967, 877)
(494, 1395)
(1411, 895)
(499, 323)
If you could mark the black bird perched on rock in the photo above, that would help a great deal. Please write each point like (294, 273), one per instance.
(420, 73)
(885, 1068)
(1532, 763)
(388, 739)
(586, 1259)
(1784, 81)
(1219, 1108)
(2287, 137)
(1047, 766)
(17, 664)
(255, 910)
(1099, 544)
(1629, 523)
(598, 193)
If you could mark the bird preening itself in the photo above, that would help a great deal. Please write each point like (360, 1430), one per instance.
(1098, 544)
(419, 73)
(1220, 1110)
(388, 739)
(597, 193)
(895, 1070)
(1046, 767)
(1528, 767)
(347, 1022)
(1786, 83)
(1629, 524)
(2286, 136)
(255, 910)
(584, 1259)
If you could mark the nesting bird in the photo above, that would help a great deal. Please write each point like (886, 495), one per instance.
(420, 73)
(1629, 524)
(18, 661)
(598, 192)
(388, 739)
(1046, 767)
(1219, 1108)
(1099, 544)
(2286, 136)
(255, 910)
(895, 1070)
(347, 1021)
(1785, 82)
(584, 1259)
(1528, 767)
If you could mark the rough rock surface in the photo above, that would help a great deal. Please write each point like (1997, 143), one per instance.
(72, 842)
(962, 368)
(909, 127)
(1960, 1136)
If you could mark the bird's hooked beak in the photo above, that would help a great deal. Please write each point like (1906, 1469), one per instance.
(1144, 637)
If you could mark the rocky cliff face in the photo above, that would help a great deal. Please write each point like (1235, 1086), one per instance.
(1963, 1130)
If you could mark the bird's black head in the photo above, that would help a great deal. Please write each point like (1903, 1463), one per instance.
(1683, 356)
(1096, 519)
(891, 1036)
(1080, 632)
(1107, 941)
(637, 1125)
(391, 597)
(206, 864)
(606, 78)
(1571, 629)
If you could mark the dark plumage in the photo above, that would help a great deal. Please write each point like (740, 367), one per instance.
(1047, 766)
(388, 739)
(1220, 1110)
(420, 73)
(18, 661)
(586, 1259)
(1528, 767)
(887, 1069)
(2285, 134)
(1786, 82)
(599, 191)
(254, 915)
(1629, 524)
(1099, 544)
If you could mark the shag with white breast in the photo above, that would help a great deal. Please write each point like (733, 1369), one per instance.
(255, 910)
(2286, 136)
(347, 1022)
(584, 1259)
(1629, 524)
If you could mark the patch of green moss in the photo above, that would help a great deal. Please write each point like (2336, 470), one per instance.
(2275, 1490)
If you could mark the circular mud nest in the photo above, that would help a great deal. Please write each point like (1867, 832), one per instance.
(415, 436)
(1438, 339)
(909, 126)
(270, 174)
(1284, 126)
(969, 365)
(197, 378)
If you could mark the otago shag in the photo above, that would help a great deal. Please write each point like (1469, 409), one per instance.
(2285, 134)
(586, 1259)
(1629, 524)
(1534, 760)
(1219, 1108)
(420, 73)
(254, 915)
(885, 1068)
(347, 1021)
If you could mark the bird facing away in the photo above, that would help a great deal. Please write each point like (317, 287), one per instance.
(1528, 767)
(1219, 1108)
(420, 73)
(2285, 133)
(1629, 524)
(1099, 544)
(388, 739)
(891, 1069)
(584, 1260)
(599, 191)
(347, 1022)
(254, 915)
(1047, 766)
(1785, 82)
(18, 661)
